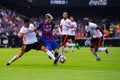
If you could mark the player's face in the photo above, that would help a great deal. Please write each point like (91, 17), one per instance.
(48, 21)
(71, 18)
(65, 15)
(26, 24)
(86, 22)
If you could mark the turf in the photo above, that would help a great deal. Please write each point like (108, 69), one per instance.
(80, 65)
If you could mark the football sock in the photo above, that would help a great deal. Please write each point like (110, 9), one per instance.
(13, 59)
(72, 49)
(56, 54)
(95, 53)
(101, 49)
(66, 49)
(70, 44)
(62, 50)
(50, 54)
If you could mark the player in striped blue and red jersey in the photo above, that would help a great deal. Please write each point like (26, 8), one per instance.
(46, 26)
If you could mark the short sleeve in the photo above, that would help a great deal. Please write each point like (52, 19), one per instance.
(94, 26)
(53, 23)
(22, 30)
(40, 25)
(75, 24)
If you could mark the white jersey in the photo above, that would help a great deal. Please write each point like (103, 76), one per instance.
(72, 30)
(64, 23)
(57, 31)
(96, 33)
(29, 37)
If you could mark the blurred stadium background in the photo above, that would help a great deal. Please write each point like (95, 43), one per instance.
(103, 12)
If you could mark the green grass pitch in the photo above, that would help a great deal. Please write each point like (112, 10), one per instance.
(80, 65)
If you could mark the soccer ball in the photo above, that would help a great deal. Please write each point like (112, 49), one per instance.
(62, 59)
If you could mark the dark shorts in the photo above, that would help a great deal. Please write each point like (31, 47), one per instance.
(97, 41)
(72, 37)
(65, 38)
(28, 47)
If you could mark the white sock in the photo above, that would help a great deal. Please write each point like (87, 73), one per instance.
(50, 54)
(101, 49)
(66, 49)
(62, 50)
(70, 44)
(72, 48)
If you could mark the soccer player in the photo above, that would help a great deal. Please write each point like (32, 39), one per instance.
(97, 38)
(65, 25)
(30, 42)
(46, 26)
(71, 33)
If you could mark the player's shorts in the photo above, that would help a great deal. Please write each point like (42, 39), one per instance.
(28, 47)
(97, 41)
(65, 38)
(51, 45)
(72, 37)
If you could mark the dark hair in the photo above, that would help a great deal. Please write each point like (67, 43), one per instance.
(26, 20)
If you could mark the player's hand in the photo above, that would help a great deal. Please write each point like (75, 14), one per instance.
(20, 35)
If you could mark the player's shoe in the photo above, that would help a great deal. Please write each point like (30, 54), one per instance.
(77, 46)
(49, 57)
(98, 59)
(56, 60)
(107, 52)
(7, 64)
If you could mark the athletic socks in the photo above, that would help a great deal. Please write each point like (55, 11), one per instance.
(95, 53)
(12, 60)
(66, 49)
(62, 50)
(56, 54)
(72, 49)
(70, 45)
(102, 49)
(50, 54)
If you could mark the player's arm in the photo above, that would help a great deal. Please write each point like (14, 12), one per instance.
(100, 30)
(38, 33)
(20, 35)
(38, 28)
(21, 32)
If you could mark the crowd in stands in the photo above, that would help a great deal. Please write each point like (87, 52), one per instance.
(10, 24)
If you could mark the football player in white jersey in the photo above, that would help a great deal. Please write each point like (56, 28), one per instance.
(30, 42)
(71, 33)
(97, 38)
(65, 24)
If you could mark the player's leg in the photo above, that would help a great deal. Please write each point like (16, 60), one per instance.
(102, 49)
(55, 47)
(73, 44)
(25, 48)
(40, 46)
(94, 48)
(65, 40)
(63, 43)
(50, 54)
(48, 45)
